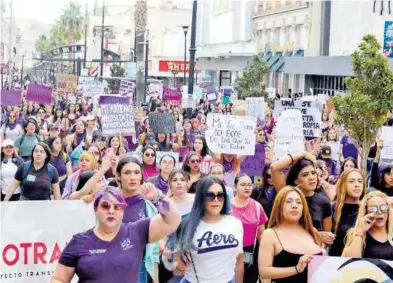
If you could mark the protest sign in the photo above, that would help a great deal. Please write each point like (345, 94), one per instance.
(155, 90)
(126, 87)
(211, 96)
(83, 80)
(33, 235)
(255, 107)
(289, 133)
(387, 137)
(160, 154)
(10, 97)
(162, 123)
(66, 83)
(231, 135)
(253, 165)
(310, 110)
(172, 95)
(93, 88)
(323, 269)
(39, 93)
(118, 116)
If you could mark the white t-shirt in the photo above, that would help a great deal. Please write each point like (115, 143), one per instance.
(8, 171)
(185, 207)
(12, 134)
(218, 245)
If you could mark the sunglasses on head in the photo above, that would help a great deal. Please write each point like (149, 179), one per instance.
(94, 152)
(384, 208)
(150, 155)
(195, 161)
(210, 197)
(116, 206)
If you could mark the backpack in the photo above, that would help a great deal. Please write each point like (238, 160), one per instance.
(49, 167)
(23, 138)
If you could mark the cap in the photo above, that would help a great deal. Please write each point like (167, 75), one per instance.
(7, 142)
(150, 138)
(326, 150)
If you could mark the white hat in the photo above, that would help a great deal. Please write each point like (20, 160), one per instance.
(7, 142)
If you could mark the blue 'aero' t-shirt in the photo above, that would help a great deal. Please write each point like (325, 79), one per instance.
(100, 261)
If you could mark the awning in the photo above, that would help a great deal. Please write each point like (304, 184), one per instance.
(297, 53)
(274, 59)
(280, 63)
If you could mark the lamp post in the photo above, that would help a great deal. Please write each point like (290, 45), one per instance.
(192, 56)
(102, 39)
(174, 72)
(21, 73)
(185, 29)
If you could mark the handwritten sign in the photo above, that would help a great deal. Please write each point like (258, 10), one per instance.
(211, 96)
(66, 83)
(126, 87)
(155, 90)
(255, 107)
(172, 95)
(162, 123)
(161, 154)
(93, 88)
(289, 133)
(39, 93)
(387, 137)
(311, 114)
(254, 165)
(118, 116)
(10, 97)
(231, 135)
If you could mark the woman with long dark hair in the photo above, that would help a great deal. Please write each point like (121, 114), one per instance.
(11, 129)
(201, 259)
(200, 146)
(348, 164)
(149, 162)
(10, 162)
(382, 175)
(192, 165)
(78, 135)
(265, 194)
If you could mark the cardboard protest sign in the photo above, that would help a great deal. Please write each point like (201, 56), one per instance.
(290, 137)
(387, 137)
(231, 135)
(155, 90)
(254, 165)
(126, 87)
(255, 107)
(83, 80)
(172, 95)
(162, 123)
(93, 88)
(324, 269)
(211, 96)
(160, 154)
(10, 97)
(118, 116)
(311, 114)
(66, 83)
(39, 93)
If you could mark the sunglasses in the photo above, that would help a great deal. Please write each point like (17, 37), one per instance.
(195, 161)
(116, 206)
(384, 208)
(210, 197)
(150, 155)
(94, 152)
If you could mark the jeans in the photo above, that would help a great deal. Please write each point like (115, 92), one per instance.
(143, 274)
(186, 281)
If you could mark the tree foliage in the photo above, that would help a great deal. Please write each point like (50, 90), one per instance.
(251, 82)
(43, 44)
(370, 94)
(116, 72)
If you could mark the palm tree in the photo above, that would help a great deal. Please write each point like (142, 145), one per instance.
(43, 44)
(72, 23)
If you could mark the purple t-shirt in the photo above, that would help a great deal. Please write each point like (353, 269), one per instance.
(349, 149)
(135, 210)
(100, 261)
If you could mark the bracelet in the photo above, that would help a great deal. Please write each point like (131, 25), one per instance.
(290, 155)
(297, 272)
(161, 203)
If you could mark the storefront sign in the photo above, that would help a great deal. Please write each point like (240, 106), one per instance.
(388, 39)
(168, 66)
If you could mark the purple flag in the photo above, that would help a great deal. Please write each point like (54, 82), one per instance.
(254, 165)
(39, 93)
(10, 97)
(211, 89)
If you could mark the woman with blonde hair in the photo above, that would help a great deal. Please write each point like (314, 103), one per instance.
(351, 188)
(372, 236)
(290, 241)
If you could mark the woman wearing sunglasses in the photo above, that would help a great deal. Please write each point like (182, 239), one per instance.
(11, 129)
(117, 247)
(372, 236)
(149, 162)
(192, 165)
(210, 244)
(253, 218)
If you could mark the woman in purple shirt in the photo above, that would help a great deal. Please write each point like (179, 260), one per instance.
(112, 251)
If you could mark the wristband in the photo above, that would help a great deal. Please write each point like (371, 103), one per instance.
(290, 155)
(297, 272)
(161, 203)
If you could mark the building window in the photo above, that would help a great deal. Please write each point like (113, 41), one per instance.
(225, 78)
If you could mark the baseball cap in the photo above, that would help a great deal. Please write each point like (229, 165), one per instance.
(53, 127)
(7, 142)
(326, 150)
(150, 138)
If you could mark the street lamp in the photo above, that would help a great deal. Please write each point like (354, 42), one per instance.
(21, 73)
(174, 72)
(185, 29)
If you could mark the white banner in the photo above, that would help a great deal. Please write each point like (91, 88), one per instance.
(93, 88)
(289, 137)
(255, 107)
(33, 235)
(387, 137)
(231, 134)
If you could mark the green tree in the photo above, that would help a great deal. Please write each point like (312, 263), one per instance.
(116, 72)
(43, 44)
(370, 95)
(251, 82)
(72, 23)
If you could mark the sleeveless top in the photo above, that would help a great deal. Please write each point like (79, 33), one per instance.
(287, 259)
(377, 250)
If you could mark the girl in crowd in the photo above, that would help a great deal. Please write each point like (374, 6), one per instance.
(25, 143)
(231, 164)
(100, 142)
(265, 194)
(162, 141)
(59, 120)
(71, 116)
(217, 171)
(290, 242)
(115, 146)
(37, 178)
(373, 232)
(351, 188)
(348, 164)
(60, 160)
(166, 165)
(10, 163)
(91, 125)
(302, 173)
(253, 218)
(77, 136)
(129, 240)
(11, 129)
(200, 146)
(181, 139)
(199, 258)
(382, 176)
(324, 187)
(93, 149)
(149, 162)
(192, 165)
(19, 117)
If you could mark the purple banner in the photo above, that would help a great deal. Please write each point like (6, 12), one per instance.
(211, 89)
(10, 97)
(39, 93)
(253, 165)
(114, 100)
(172, 95)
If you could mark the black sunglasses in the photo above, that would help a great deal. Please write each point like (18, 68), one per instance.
(150, 155)
(210, 197)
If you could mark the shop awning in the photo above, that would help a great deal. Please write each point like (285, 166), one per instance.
(274, 59)
(297, 53)
(280, 63)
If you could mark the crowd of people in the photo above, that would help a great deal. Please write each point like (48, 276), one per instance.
(198, 219)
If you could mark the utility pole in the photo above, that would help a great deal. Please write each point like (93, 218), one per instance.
(1, 43)
(10, 49)
(140, 30)
(102, 39)
(192, 57)
(146, 63)
(85, 53)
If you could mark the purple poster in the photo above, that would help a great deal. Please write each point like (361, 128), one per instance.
(253, 165)
(172, 95)
(211, 89)
(114, 100)
(10, 97)
(39, 93)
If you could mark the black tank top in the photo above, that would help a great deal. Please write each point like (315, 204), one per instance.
(376, 249)
(286, 259)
